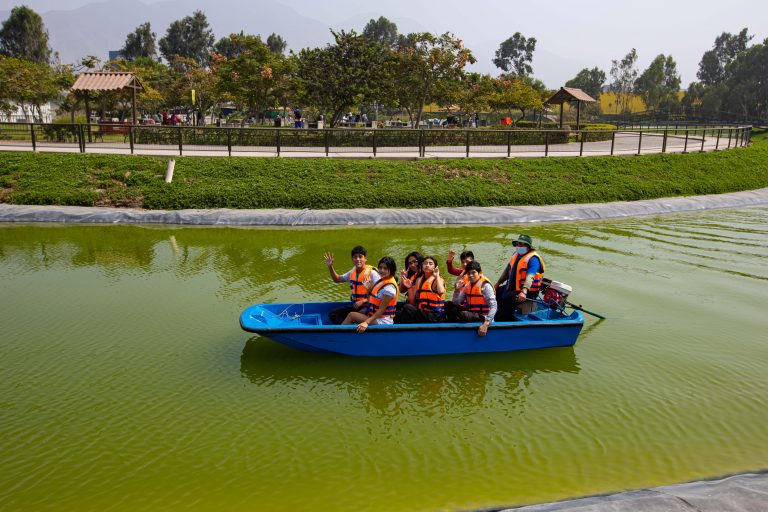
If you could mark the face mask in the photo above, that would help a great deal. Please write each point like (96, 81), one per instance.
(522, 250)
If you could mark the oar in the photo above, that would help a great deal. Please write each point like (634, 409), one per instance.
(574, 306)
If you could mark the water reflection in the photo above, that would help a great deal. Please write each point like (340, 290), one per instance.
(448, 385)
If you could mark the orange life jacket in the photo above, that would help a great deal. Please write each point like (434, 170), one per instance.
(464, 280)
(428, 300)
(522, 271)
(473, 297)
(374, 302)
(356, 283)
(410, 294)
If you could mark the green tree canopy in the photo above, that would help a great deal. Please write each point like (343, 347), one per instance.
(659, 84)
(251, 78)
(23, 35)
(381, 31)
(189, 38)
(31, 84)
(588, 80)
(140, 43)
(514, 94)
(624, 73)
(424, 66)
(276, 43)
(516, 54)
(348, 72)
(713, 68)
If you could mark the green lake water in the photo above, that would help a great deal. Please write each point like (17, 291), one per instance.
(126, 383)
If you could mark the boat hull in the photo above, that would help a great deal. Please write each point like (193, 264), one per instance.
(306, 327)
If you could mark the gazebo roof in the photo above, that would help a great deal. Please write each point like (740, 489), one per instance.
(569, 94)
(106, 81)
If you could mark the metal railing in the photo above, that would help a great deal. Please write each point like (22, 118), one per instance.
(152, 139)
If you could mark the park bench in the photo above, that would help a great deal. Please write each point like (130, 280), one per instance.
(113, 128)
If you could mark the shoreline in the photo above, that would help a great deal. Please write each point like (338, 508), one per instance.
(492, 215)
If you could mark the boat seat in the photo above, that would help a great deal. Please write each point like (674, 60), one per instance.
(312, 319)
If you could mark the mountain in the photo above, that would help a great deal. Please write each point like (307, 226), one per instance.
(96, 28)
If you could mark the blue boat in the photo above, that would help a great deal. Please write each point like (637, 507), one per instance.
(307, 327)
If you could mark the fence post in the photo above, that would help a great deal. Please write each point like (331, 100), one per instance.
(613, 141)
(229, 141)
(130, 136)
(80, 138)
(717, 144)
(730, 135)
(326, 140)
(34, 139)
(664, 142)
(374, 143)
(546, 144)
(509, 143)
(685, 146)
(178, 133)
(468, 132)
(422, 149)
(277, 140)
(703, 138)
(640, 141)
(581, 146)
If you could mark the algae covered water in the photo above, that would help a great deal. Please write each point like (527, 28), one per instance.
(127, 384)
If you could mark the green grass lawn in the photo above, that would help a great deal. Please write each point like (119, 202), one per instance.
(118, 180)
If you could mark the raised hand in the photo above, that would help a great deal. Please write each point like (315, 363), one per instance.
(451, 255)
(328, 257)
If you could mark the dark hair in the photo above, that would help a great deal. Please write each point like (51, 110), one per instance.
(434, 260)
(390, 264)
(359, 250)
(414, 254)
(473, 265)
(467, 254)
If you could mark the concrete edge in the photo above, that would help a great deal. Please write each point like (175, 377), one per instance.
(494, 215)
(736, 492)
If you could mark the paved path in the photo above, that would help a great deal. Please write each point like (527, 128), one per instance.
(626, 143)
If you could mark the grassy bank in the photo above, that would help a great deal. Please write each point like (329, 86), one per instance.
(108, 180)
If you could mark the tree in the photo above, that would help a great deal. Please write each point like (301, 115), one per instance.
(348, 72)
(381, 31)
(276, 43)
(251, 78)
(190, 38)
(588, 80)
(30, 84)
(624, 74)
(229, 46)
(714, 62)
(512, 93)
(470, 93)
(515, 55)
(659, 84)
(23, 35)
(140, 43)
(746, 89)
(424, 65)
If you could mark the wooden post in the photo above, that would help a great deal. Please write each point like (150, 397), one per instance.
(133, 101)
(561, 114)
(581, 146)
(613, 141)
(34, 140)
(578, 113)
(467, 143)
(180, 143)
(88, 114)
(509, 143)
(685, 147)
(717, 144)
(229, 141)
(640, 141)
(664, 142)
(130, 135)
(546, 144)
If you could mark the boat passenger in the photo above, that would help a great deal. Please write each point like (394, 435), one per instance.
(476, 302)
(409, 275)
(360, 273)
(381, 299)
(465, 257)
(522, 276)
(429, 306)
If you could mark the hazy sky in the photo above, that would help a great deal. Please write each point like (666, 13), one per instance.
(571, 34)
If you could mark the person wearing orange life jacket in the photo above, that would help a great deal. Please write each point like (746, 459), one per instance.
(430, 297)
(408, 276)
(381, 299)
(522, 276)
(476, 302)
(360, 273)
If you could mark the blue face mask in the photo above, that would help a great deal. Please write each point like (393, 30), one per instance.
(522, 250)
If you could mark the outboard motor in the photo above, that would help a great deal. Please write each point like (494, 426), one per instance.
(555, 293)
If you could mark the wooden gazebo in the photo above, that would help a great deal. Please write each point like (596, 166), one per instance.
(107, 81)
(570, 94)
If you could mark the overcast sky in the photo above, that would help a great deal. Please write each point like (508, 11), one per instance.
(571, 34)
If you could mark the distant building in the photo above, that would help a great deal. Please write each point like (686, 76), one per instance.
(115, 54)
